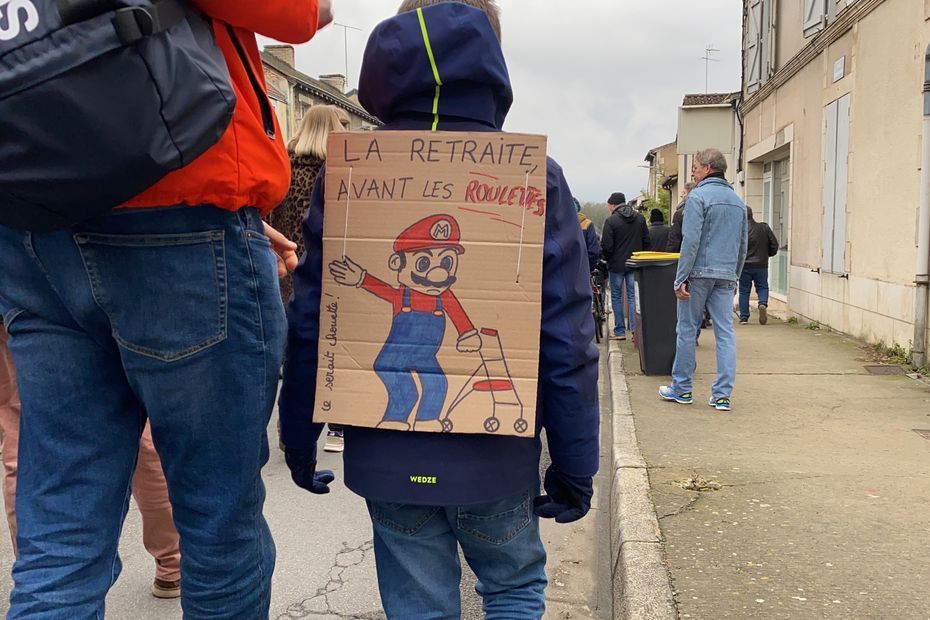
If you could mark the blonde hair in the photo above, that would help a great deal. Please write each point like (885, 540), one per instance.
(319, 121)
(489, 7)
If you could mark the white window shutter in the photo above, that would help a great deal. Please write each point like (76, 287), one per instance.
(835, 185)
(754, 45)
(829, 186)
(841, 194)
(814, 16)
(769, 58)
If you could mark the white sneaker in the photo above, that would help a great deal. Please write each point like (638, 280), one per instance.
(335, 442)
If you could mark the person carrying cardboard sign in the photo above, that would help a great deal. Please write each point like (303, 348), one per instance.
(426, 257)
(430, 493)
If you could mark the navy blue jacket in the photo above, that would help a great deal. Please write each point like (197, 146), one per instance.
(397, 85)
(592, 242)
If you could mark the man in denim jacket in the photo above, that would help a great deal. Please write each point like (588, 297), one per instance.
(713, 250)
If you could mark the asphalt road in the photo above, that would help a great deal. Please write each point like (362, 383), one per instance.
(325, 565)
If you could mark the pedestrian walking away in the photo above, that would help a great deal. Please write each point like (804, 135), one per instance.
(590, 237)
(674, 231)
(658, 230)
(307, 152)
(166, 310)
(713, 250)
(482, 496)
(625, 232)
(763, 245)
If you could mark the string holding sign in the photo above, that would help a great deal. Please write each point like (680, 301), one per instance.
(345, 235)
(526, 187)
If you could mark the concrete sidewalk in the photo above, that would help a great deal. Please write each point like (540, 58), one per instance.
(809, 500)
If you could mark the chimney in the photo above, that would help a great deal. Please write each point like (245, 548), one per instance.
(284, 53)
(336, 80)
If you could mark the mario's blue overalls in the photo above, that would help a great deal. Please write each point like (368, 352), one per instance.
(412, 347)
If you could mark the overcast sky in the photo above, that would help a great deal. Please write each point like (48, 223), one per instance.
(602, 79)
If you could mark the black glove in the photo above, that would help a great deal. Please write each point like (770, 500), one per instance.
(567, 499)
(302, 464)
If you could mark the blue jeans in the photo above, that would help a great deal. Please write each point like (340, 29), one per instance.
(717, 297)
(753, 275)
(616, 299)
(416, 553)
(173, 315)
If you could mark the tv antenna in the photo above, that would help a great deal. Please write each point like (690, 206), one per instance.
(708, 58)
(345, 44)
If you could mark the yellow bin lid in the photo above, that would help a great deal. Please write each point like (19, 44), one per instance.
(647, 256)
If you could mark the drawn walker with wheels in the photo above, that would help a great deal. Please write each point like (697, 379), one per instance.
(492, 378)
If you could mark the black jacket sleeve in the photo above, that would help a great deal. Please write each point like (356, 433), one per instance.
(773, 241)
(644, 231)
(674, 232)
(607, 240)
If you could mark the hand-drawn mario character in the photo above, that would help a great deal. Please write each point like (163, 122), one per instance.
(426, 257)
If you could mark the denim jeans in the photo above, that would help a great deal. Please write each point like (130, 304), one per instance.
(416, 553)
(172, 315)
(717, 296)
(753, 275)
(616, 299)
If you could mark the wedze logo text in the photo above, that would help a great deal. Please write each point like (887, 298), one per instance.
(16, 15)
(423, 479)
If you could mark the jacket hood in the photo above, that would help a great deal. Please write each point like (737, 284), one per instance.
(443, 61)
(627, 212)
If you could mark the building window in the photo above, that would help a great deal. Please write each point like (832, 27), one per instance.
(760, 43)
(835, 185)
(814, 16)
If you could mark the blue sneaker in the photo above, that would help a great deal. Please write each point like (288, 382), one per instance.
(667, 393)
(720, 404)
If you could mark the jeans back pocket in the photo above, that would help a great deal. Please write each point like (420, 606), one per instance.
(496, 523)
(165, 294)
(402, 518)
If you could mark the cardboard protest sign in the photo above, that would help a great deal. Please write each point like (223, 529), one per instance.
(432, 281)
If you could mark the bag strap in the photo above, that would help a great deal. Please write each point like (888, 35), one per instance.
(131, 23)
(73, 11)
(135, 23)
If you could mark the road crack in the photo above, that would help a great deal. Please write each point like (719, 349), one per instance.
(319, 605)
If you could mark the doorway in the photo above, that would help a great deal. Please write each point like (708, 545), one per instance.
(776, 188)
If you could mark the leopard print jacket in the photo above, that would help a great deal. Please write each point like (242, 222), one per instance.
(289, 216)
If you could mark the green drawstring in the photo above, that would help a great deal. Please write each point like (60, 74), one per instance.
(432, 62)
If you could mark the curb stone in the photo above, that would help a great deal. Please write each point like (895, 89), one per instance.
(642, 589)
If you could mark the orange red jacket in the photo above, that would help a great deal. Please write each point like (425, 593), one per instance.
(245, 168)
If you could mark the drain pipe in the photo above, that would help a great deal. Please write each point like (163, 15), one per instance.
(919, 353)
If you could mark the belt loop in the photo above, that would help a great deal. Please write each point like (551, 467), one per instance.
(255, 220)
(244, 218)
